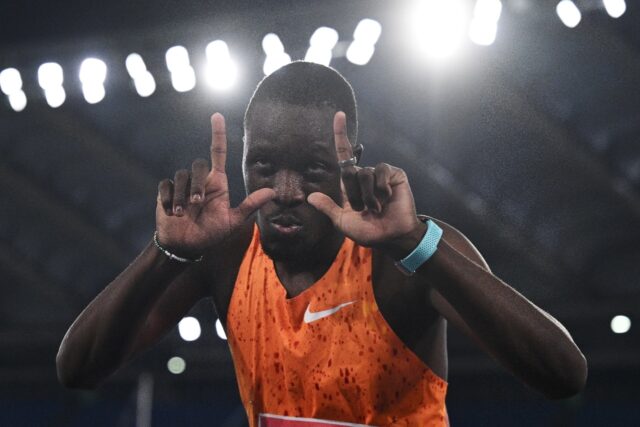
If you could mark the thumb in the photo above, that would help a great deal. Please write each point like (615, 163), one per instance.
(326, 205)
(253, 202)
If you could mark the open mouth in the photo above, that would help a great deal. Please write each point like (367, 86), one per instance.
(286, 224)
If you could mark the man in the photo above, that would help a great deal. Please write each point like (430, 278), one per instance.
(335, 295)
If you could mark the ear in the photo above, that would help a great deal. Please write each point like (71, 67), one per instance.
(357, 152)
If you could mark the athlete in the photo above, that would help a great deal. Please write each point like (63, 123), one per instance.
(334, 293)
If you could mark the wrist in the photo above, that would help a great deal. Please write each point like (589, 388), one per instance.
(182, 257)
(399, 247)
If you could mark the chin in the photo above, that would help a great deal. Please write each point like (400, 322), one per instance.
(286, 249)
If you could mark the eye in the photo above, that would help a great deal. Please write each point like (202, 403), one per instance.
(316, 170)
(263, 166)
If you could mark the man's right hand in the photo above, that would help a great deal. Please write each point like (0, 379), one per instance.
(193, 212)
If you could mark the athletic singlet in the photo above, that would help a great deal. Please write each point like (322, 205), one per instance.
(325, 354)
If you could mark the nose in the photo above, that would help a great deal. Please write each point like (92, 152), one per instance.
(288, 188)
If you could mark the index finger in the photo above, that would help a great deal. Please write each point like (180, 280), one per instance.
(218, 143)
(343, 146)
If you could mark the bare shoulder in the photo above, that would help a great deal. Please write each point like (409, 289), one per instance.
(222, 264)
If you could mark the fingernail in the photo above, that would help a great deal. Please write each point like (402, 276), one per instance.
(178, 210)
(196, 198)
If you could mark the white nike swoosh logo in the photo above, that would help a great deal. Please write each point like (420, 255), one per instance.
(312, 317)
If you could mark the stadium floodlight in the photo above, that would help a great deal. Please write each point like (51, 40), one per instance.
(177, 57)
(221, 71)
(10, 81)
(93, 70)
(220, 330)
(483, 33)
(365, 36)
(49, 75)
(18, 100)
(318, 55)
(360, 53)
(271, 44)
(176, 365)
(145, 84)
(324, 38)
(321, 44)
(276, 57)
(439, 27)
(615, 8)
(620, 324)
(135, 65)
(93, 73)
(487, 10)
(568, 13)
(50, 79)
(183, 77)
(484, 25)
(189, 328)
(367, 31)
(55, 96)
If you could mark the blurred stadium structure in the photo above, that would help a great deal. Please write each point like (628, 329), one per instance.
(526, 138)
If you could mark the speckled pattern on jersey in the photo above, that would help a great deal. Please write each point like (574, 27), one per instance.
(347, 365)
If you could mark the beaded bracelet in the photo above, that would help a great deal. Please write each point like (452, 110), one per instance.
(172, 255)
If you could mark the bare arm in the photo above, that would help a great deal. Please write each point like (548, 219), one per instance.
(193, 216)
(378, 210)
(525, 339)
(127, 317)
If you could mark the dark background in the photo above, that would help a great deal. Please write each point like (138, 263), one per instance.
(530, 146)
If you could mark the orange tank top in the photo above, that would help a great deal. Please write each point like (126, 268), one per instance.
(325, 354)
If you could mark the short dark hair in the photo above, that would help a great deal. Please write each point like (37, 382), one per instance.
(306, 83)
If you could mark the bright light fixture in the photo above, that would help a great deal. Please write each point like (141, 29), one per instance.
(220, 330)
(93, 70)
(487, 10)
(135, 65)
(367, 31)
(360, 53)
(484, 25)
(176, 365)
(183, 77)
(365, 36)
(177, 57)
(10, 81)
(276, 57)
(620, 324)
(93, 73)
(568, 13)
(272, 45)
(189, 329)
(321, 44)
(145, 84)
(18, 100)
(615, 8)
(221, 71)
(274, 62)
(50, 79)
(439, 27)
(324, 38)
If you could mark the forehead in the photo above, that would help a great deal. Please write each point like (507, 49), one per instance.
(273, 121)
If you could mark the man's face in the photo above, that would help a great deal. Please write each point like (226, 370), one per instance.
(290, 149)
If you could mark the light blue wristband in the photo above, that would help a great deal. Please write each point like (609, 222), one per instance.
(425, 249)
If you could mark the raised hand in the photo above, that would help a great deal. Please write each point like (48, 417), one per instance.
(378, 206)
(193, 211)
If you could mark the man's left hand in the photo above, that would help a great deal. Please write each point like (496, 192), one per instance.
(378, 207)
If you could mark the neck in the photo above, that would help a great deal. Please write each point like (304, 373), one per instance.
(302, 274)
